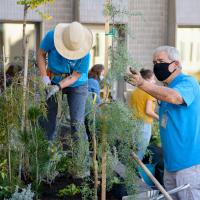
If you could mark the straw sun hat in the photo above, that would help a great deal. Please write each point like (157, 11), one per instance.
(73, 41)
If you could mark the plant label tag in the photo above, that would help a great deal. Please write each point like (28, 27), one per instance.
(164, 120)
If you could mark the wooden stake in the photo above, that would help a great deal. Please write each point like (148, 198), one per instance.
(94, 158)
(107, 29)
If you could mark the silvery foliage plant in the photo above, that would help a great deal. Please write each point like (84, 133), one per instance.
(24, 194)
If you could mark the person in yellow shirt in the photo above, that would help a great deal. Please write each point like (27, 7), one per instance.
(144, 105)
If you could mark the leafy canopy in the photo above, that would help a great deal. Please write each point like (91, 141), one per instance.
(32, 4)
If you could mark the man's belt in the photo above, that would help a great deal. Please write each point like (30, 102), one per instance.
(51, 74)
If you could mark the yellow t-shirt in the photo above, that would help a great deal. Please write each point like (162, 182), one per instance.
(138, 101)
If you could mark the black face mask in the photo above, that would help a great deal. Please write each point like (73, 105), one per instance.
(161, 70)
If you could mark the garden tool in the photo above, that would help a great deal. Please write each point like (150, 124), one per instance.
(178, 189)
(150, 175)
(154, 194)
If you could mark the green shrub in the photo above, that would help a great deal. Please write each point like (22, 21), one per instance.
(69, 190)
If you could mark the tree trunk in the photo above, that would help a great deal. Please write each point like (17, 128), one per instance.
(25, 62)
(25, 86)
(24, 30)
(4, 68)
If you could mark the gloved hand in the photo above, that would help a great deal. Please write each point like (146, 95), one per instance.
(46, 80)
(134, 78)
(51, 90)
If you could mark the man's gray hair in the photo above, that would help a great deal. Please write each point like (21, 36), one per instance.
(172, 52)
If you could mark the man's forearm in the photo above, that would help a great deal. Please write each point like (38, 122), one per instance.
(162, 93)
(68, 81)
(41, 60)
(153, 114)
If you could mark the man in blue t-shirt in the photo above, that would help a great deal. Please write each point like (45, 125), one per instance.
(179, 121)
(67, 49)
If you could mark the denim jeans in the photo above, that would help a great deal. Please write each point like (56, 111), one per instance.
(76, 97)
(144, 140)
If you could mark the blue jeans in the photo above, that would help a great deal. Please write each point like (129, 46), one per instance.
(76, 97)
(144, 140)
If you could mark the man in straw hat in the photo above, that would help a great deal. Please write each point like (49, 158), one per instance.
(67, 48)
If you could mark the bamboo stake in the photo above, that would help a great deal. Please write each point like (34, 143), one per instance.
(9, 158)
(104, 137)
(149, 174)
(107, 28)
(103, 164)
(95, 165)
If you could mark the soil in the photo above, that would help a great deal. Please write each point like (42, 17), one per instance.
(49, 192)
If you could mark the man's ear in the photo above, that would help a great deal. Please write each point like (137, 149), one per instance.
(174, 66)
(177, 63)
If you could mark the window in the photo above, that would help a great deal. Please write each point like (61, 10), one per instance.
(188, 43)
(11, 41)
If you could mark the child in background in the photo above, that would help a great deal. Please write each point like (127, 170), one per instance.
(144, 105)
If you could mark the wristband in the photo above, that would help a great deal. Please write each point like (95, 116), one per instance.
(58, 84)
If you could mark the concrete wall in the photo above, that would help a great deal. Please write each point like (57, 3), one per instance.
(62, 11)
(188, 12)
(10, 11)
(92, 11)
(149, 30)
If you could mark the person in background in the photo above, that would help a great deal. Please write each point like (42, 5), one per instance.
(179, 120)
(143, 106)
(96, 74)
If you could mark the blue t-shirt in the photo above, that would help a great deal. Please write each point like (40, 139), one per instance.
(59, 64)
(180, 126)
(93, 86)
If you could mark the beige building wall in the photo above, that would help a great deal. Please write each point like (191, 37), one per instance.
(149, 30)
(62, 11)
(188, 12)
(92, 11)
(10, 11)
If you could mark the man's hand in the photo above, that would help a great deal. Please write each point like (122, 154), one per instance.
(134, 78)
(51, 90)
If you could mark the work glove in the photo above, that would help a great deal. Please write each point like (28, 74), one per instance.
(134, 78)
(46, 80)
(51, 90)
